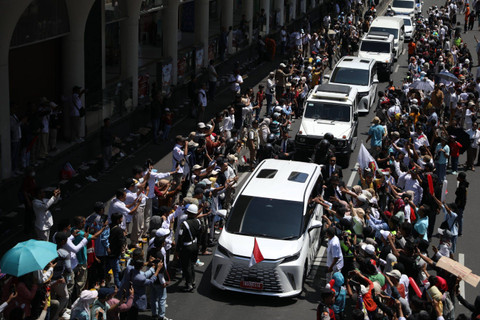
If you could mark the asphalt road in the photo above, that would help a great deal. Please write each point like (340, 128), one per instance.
(209, 303)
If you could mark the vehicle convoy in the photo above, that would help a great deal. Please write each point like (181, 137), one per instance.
(380, 47)
(283, 223)
(330, 108)
(394, 26)
(359, 73)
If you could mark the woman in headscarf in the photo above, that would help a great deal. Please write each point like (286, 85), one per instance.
(264, 131)
(81, 306)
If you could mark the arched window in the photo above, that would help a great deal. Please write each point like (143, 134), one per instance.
(42, 20)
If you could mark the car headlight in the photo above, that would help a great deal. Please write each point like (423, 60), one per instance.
(291, 258)
(223, 251)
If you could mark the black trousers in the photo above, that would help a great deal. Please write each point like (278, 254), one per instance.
(188, 256)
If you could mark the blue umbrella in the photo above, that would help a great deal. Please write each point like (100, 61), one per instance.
(28, 256)
(447, 76)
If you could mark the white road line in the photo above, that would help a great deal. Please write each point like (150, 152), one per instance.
(461, 260)
(352, 176)
(396, 68)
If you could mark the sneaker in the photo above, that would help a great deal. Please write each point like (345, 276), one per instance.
(199, 263)
(188, 288)
(165, 318)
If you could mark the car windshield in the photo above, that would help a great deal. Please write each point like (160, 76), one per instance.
(387, 30)
(265, 217)
(403, 4)
(375, 46)
(356, 77)
(327, 111)
(407, 22)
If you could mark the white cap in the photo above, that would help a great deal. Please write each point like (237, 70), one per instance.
(192, 209)
(201, 125)
(414, 101)
(196, 167)
(162, 232)
(207, 181)
(283, 65)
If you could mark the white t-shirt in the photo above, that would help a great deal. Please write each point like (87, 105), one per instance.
(151, 182)
(117, 206)
(334, 251)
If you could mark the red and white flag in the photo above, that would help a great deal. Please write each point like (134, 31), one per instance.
(365, 159)
(256, 254)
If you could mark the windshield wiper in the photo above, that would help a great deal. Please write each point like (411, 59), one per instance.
(257, 235)
(289, 238)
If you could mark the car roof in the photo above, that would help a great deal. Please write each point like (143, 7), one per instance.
(335, 93)
(355, 63)
(378, 36)
(292, 190)
(380, 21)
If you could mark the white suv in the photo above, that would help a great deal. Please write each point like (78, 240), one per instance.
(359, 73)
(380, 47)
(282, 222)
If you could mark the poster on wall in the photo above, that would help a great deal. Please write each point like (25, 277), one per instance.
(166, 77)
(199, 59)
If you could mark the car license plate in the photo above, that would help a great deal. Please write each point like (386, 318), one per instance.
(251, 285)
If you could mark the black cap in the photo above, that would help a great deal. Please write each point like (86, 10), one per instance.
(99, 205)
(61, 236)
(129, 182)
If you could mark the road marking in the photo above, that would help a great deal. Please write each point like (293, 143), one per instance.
(461, 260)
(396, 68)
(352, 176)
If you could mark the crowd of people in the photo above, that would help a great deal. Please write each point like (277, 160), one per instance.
(382, 249)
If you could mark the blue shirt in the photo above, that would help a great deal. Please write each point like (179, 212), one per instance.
(442, 158)
(421, 226)
(376, 133)
(82, 253)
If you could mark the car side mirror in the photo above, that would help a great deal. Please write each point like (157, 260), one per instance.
(327, 76)
(355, 116)
(315, 225)
(375, 81)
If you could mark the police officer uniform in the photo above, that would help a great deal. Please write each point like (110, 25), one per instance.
(187, 245)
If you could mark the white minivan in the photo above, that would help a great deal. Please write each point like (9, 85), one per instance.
(274, 208)
(394, 26)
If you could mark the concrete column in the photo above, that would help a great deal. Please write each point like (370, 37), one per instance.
(248, 12)
(202, 19)
(293, 10)
(279, 9)
(265, 4)
(170, 35)
(303, 6)
(7, 27)
(227, 21)
(129, 45)
(73, 54)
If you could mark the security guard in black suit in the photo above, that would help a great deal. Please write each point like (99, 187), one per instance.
(187, 246)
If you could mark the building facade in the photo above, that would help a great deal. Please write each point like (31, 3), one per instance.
(117, 49)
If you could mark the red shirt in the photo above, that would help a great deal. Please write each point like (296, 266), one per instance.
(455, 149)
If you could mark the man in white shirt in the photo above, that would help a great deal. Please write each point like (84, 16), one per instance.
(151, 191)
(135, 192)
(118, 206)
(43, 216)
(179, 154)
(270, 92)
(334, 253)
(235, 81)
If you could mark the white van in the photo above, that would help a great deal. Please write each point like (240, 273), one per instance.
(394, 26)
(274, 208)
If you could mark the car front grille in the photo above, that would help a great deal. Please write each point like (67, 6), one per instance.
(261, 273)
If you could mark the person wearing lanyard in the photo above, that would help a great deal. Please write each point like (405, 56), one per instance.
(187, 246)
